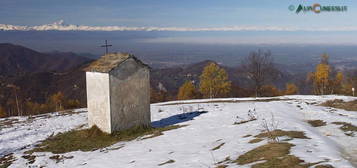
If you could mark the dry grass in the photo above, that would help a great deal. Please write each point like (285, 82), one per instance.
(6, 123)
(265, 152)
(316, 123)
(244, 121)
(167, 162)
(228, 101)
(6, 160)
(324, 166)
(219, 146)
(337, 103)
(60, 158)
(246, 136)
(30, 158)
(348, 128)
(222, 164)
(256, 140)
(279, 133)
(93, 139)
(274, 154)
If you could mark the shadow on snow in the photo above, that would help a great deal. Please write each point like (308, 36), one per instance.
(175, 119)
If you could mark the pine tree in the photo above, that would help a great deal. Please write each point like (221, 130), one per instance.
(187, 91)
(214, 82)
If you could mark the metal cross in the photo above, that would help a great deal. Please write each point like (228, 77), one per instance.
(106, 46)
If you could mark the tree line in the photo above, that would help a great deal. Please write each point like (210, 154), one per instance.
(213, 82)
(17, 106)
(259, 68)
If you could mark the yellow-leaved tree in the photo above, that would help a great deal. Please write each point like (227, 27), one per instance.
(321, 80)
(338, 83)
(2, 112)
(291, 89)
(187, 91)
(214, 82)
(320, 77)
(270, 91)
(56, 100)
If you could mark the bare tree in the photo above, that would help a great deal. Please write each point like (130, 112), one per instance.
(259, 67)
(19, 112)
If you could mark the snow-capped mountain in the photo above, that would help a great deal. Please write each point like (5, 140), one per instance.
(61, 26)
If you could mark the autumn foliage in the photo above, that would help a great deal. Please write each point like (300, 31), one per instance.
(270, 91)
(214, 82)
(323, 80)
(2, 112)
(291, 89)
(187, 91)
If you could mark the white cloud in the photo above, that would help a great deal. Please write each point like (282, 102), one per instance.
(60, 26)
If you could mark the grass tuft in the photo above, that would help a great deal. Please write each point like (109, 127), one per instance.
(246, 136)
(279, 133)
(244, 121)
(30, 158)
(6, 160)
(348, 128)
(265, 152)
(167, 162)
(275, 155)
(256, 140)
(324, 166)
(219, 146)
(59, 158)
(93, 139)
(338, 103)
(316, 123)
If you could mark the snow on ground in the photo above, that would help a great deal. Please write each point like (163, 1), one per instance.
(27, 131)
(191, 146)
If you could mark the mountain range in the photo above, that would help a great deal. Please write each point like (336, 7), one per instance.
(39, 75)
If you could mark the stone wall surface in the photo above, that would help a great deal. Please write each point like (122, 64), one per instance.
(98, 100)
(130, 95)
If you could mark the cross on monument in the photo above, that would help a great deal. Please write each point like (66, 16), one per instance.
(106, 46)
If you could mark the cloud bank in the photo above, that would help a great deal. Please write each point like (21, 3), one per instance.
(60, 26)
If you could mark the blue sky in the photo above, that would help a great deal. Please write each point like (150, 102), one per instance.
(194, 14)
(180, 13)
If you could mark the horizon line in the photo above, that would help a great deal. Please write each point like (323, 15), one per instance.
(60, 26)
